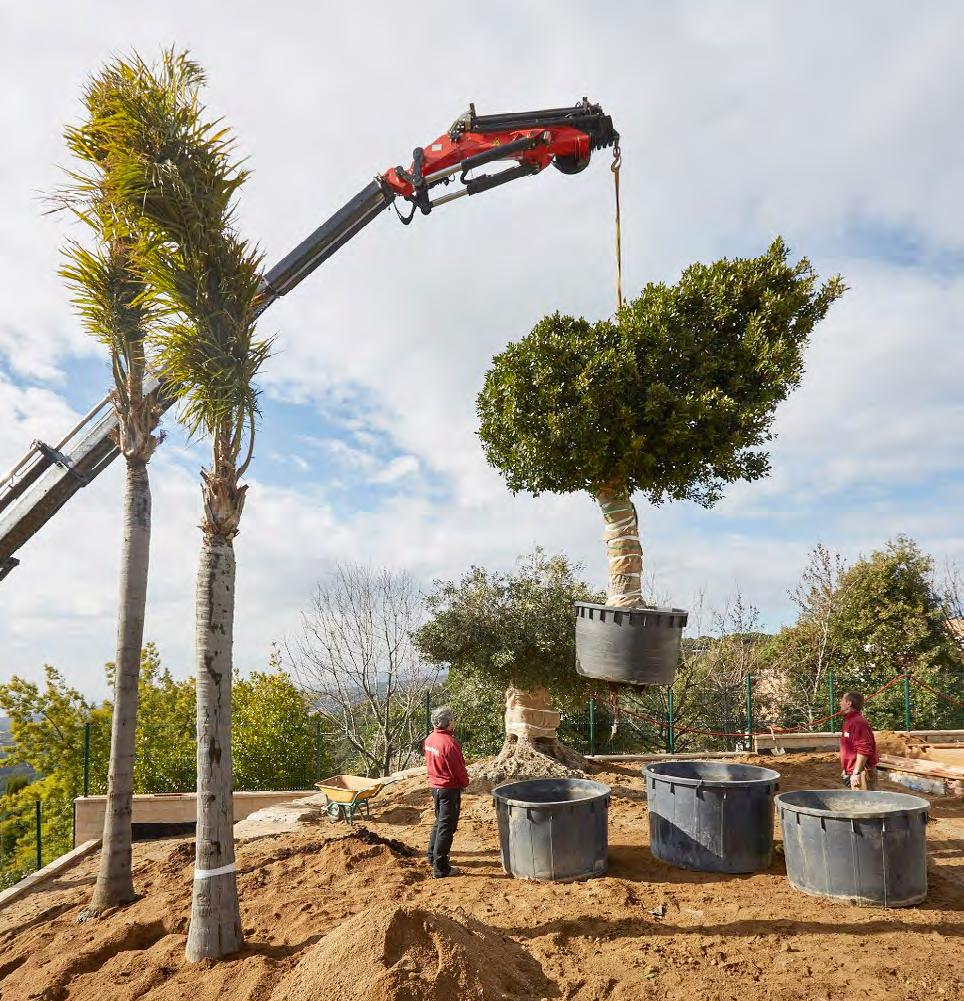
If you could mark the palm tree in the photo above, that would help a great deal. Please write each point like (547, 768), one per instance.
(118, 309)
(178, 170)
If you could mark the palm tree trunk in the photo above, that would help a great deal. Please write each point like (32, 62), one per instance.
(623, 550)
(115, 884)
(215, 914)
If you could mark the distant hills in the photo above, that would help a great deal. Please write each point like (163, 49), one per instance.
(12, 769)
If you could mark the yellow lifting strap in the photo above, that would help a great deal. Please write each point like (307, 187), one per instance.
(616, 164)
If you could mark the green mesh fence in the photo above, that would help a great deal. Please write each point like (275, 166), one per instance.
(296, 754)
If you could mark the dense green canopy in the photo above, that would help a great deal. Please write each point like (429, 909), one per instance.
(674, 397)
(509, 628)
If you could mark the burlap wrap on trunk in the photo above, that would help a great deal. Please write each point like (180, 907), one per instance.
(623, 550)
(530, 714)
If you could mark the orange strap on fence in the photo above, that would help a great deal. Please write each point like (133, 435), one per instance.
(934, 691)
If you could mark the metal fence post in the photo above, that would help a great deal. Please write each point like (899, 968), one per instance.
(832, 703)
(86, 759)
(670, 726)
(906, 701)
(749, 712)
(428, 711)
(592, 726)
(40, 851)
(317, 748)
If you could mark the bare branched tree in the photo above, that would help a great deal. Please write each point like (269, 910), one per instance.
(733, 653)
(736, 625)
(803, 654)
(356, 661)
(818, 596)
(950, 587)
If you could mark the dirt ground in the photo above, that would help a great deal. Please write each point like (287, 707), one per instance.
(335, 914)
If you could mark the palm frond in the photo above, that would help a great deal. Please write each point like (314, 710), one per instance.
(110, 295)
(106, 279)
(176, 170)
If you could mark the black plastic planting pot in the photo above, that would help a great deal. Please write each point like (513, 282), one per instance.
(867, 848)
(631, 646)
(711, 816)
(553, 829)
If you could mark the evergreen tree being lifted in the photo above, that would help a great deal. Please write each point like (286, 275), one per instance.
(674, 397)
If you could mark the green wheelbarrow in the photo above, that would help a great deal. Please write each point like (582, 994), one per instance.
(349, 794)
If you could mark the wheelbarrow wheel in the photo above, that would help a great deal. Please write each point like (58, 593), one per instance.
(334, 811)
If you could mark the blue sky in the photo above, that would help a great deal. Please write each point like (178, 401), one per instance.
(832, 124)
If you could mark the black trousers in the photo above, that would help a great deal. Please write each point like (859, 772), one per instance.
(448, 805)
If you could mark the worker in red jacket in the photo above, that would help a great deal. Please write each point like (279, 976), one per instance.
(858, 749)
(447, 777)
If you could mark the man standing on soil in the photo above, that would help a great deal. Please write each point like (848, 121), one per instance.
(447, 777)
(858, 748)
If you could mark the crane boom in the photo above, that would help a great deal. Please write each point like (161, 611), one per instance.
(42, 482)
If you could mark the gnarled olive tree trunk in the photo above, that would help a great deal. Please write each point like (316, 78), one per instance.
(215, 913)
(532, 724)
(623, 549)
(529, 715)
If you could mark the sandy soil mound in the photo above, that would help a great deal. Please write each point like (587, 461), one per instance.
(293, 889)
(409, 954)
(526, 760)
(900, 745)
(646, 931)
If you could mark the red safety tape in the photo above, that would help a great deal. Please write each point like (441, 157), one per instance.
(934, 691)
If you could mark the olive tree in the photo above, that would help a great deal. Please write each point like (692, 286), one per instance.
(673, 398)
(511, 630)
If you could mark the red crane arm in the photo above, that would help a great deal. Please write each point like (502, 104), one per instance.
(565, 137)
(539, 147)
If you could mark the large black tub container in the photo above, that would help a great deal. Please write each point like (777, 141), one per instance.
(633, 646)
(555, 829)
(866, 848)
(711, 816)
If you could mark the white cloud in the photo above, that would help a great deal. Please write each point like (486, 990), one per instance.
(738, 121)
(881, 401)
(348, 455)
(397, 469)
(30, 412)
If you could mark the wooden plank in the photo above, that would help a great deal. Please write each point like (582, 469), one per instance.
(931, 736)
(181, 808)
(796, 741)
(663, 756)
(921, 766)
(169, 808)
(818, 740)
